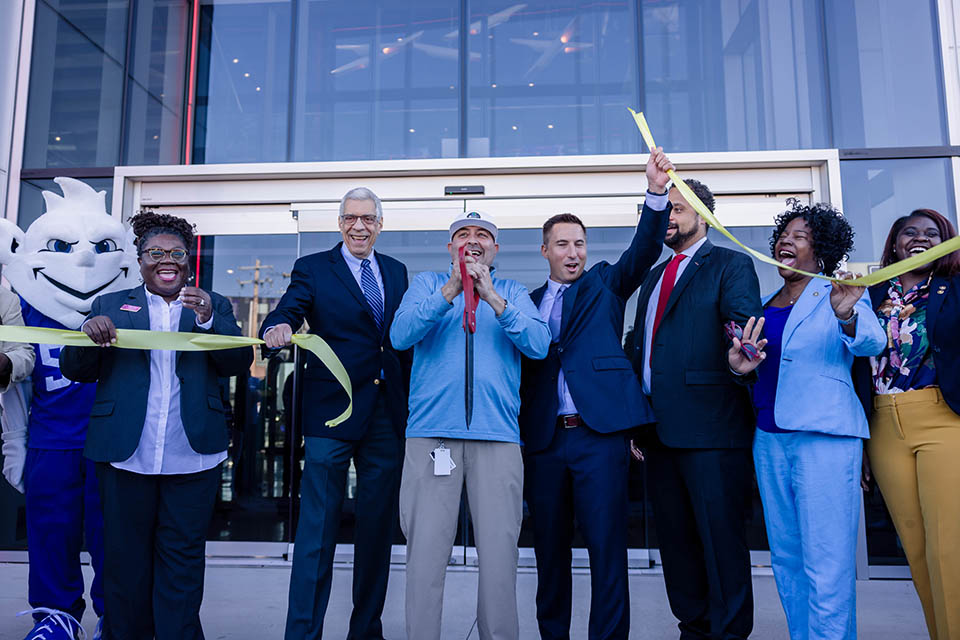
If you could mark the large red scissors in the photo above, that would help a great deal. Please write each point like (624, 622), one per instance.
(470, 302)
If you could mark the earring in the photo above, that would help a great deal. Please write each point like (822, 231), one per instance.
(820, 264)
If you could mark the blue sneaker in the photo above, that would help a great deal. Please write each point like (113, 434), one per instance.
(56, 625)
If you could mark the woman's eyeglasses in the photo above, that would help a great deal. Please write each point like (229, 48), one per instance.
(156, 254)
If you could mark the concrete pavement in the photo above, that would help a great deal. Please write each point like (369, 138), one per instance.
(247, 603)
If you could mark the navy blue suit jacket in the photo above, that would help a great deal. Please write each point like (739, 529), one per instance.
(598, 373)
(324, 292)
(943, 331)
(123, 379)
(699, 403)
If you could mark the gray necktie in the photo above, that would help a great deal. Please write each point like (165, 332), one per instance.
(556, 313)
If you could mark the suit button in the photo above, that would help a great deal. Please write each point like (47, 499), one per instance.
(936, 349)
(376, 381)
(381, 349)
(559, 349)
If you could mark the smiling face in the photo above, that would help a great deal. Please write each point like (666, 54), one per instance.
(479, 242)
(794, 248)
(685, 226)
(164, 275)
(918, 234)
(359, 227)
(69, 255)
(566, 251)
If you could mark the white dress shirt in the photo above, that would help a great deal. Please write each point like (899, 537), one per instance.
(164, 448)
(356, 264)
(655, 294)
(565, 405)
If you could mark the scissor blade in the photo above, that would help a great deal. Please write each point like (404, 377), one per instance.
(468, 379)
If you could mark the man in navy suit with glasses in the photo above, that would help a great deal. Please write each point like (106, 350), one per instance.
(348, 296)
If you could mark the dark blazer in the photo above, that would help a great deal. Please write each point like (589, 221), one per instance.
(324, 292)
(123, 379)
(698, 402)
(943, 331)
(601, 381)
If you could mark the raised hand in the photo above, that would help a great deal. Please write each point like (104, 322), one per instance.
(657, 166)
(843, 297)
(751, 335)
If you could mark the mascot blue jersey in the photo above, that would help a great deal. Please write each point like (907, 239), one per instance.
(60, 408)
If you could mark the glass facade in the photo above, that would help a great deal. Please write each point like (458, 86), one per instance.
(112, 83)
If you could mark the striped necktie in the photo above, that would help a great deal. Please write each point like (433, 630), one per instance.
(371, 291)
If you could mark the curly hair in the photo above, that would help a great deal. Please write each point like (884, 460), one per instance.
(147, 224)
(832, 234)
(948, 265)
(703, 192)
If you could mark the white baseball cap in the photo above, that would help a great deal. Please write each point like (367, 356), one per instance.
(474, 218)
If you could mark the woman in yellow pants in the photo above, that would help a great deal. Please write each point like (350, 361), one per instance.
(914, 446)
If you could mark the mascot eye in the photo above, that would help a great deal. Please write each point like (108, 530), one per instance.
(60, 246)
(105, 246)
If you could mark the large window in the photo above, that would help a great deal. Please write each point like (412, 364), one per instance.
(877, 192)
(551, 79)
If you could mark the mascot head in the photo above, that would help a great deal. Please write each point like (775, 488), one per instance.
(69, 255)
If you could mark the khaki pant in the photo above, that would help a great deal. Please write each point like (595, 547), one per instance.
(429, 506)
(914, 452)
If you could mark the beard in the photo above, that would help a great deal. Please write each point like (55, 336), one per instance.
(679, 238)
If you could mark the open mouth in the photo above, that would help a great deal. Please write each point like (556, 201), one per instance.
(78, 294)
(168, 275)
(359, 238)
(787, 257)
(916, 250)
(571, 267)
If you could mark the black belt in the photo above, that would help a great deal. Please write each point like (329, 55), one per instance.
(570, 420)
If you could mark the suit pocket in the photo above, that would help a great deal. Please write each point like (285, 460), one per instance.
(707, 377)
(102, 408)
(606, 363)
(215, 403)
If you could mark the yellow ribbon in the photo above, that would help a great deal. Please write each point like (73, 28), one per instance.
(176, 341)
(881, 275)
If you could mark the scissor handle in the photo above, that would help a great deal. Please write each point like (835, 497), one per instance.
(469, 295)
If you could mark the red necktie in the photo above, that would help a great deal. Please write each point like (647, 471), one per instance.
(666, 287)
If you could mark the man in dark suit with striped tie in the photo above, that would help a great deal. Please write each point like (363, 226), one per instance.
(347, 295)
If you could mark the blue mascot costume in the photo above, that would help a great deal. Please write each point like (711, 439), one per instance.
(66, 258)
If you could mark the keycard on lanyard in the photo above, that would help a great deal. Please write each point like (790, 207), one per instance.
(442, 462)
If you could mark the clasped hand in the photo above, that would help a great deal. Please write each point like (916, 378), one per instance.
(482, 284)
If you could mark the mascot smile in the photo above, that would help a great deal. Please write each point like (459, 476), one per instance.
(69, 255)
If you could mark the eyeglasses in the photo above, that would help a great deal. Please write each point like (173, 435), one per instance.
(350, 220)
(156, 254)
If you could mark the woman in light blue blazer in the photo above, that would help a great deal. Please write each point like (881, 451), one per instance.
(810, 424)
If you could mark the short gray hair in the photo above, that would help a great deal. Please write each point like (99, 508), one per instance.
(362, 193)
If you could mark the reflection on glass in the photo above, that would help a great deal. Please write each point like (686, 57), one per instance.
(728, 75)
(243, 80)
(76, 84)
(156, 82)
(378, 83)
(877, 192)
(551, 80)
(261, 472)
(885, 73)
(31, 200)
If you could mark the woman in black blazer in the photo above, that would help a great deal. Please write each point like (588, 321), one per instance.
(158, 436)
(914, 446)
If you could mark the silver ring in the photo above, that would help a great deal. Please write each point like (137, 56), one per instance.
(202, 302)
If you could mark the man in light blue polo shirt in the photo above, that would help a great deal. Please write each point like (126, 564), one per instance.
(442, 452)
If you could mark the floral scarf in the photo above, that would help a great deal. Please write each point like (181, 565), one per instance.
(905, 363)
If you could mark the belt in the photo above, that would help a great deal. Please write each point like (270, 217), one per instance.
(570, 420)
